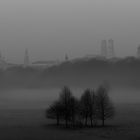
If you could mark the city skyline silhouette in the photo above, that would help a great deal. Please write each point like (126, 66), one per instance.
(49, 29)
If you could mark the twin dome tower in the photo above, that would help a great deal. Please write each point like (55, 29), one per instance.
(107, 49)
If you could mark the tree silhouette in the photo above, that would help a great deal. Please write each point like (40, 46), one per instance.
(74, 109)
(105, 108)
(65, 100)
(55, 111)
(87, 104)
(90, 108)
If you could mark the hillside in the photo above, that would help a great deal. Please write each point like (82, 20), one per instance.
(88, 73)
(124, 72)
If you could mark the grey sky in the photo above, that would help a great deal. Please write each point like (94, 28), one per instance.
(51, 28)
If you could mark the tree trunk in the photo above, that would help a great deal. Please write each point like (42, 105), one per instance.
(86, 121)
(91, 122)
(73, 121)
(57, 120)
(66, 121)
(103, 117)
(103, 122)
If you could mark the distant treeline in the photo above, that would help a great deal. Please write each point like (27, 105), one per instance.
(91, 108)
(75, 73)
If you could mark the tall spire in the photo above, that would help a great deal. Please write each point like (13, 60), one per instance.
(26, 59)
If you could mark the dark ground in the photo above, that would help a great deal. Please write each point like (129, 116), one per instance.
(31, 124)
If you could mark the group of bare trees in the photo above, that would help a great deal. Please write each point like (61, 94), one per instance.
(91, 108)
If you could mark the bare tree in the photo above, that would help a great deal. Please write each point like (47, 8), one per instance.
(89, 108)
(92, 107)
(65, 99)
(55, 111)
(87, 105)
(74, 109)
(105, 108)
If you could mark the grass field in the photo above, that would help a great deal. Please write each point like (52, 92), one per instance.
(23, 118)
(31, 124)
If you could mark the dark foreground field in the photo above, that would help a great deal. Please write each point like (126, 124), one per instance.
(31, 124)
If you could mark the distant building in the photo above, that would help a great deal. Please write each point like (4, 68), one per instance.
(104, 48)
(44, 64)
(111, 51)
(138, 52)
(26, 59)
